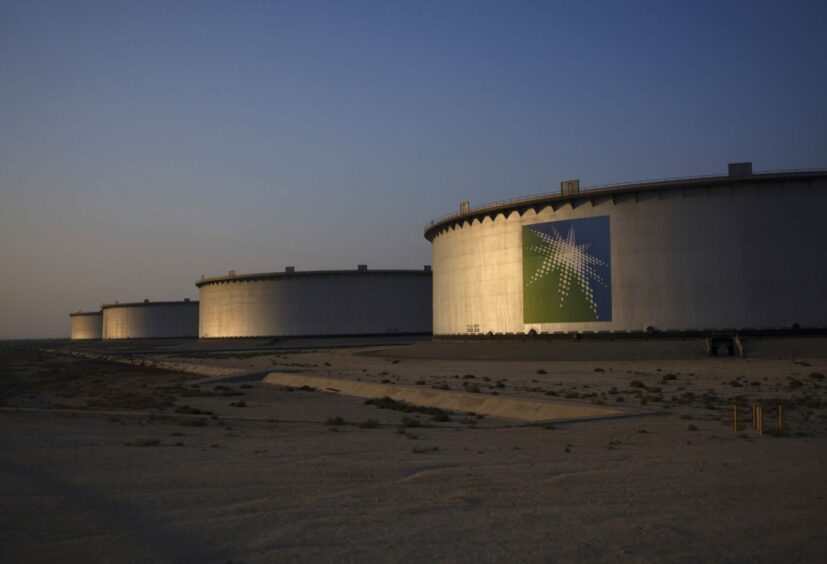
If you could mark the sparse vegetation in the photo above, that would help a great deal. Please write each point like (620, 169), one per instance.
(794, 384)
(406, 422)
(368, 424)
(145, 442)
(187, 410)
(192, 422)
(334, 421)
(223, 390)
(386, 402)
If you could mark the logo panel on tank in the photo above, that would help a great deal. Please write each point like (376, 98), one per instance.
(567, 271)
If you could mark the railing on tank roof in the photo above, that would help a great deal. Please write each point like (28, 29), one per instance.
(525, 199)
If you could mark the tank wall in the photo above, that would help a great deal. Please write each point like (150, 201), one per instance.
(87, 326)
(743, 256)
(151, 321)
(316, 305)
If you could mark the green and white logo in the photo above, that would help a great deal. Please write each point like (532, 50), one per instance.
(567, 274)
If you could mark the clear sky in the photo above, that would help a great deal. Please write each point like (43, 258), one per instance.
(143, 144)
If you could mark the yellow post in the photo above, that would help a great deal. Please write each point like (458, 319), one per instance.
(760, 420)
(735, 418)
(780, 417)
(754, 418)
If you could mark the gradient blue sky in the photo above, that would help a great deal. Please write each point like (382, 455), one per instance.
(143, 144)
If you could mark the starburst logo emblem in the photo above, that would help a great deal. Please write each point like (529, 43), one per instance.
(572, 261)
(567, 277)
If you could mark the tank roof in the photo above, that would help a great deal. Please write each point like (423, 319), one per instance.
(147, 303)
(74, 313)
(592, 192)
(290, 273)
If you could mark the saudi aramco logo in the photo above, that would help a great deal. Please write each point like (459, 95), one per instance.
(567, 271)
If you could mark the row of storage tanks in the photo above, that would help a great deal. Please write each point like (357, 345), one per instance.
(285, 304)
(729, 252)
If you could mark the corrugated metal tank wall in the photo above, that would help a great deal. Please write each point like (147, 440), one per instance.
(746, 255)
(317, 303)
(87, 325)
(150, 320)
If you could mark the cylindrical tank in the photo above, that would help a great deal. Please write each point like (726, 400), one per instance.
(317, 303)
(740, 251)
(86, 325)
(150, 320)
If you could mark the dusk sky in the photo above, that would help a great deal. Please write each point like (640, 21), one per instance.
(143, 144)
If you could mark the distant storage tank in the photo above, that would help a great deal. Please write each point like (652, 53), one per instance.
(86, 325)
(316, 303)
(150, 320)
(736, 251)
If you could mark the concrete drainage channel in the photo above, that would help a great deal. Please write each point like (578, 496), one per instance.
(527, 410)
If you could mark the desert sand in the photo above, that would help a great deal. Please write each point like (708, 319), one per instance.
(113, 462)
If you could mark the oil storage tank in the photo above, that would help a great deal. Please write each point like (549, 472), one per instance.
(150, 320)
(316, 303)
(736, 251)
(86, 325)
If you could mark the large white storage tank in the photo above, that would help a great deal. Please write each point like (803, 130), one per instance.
(316, 303)
(86, 325)
(150, 320)
(738, 251)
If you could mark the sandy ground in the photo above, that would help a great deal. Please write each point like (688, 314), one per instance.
(132, 464)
